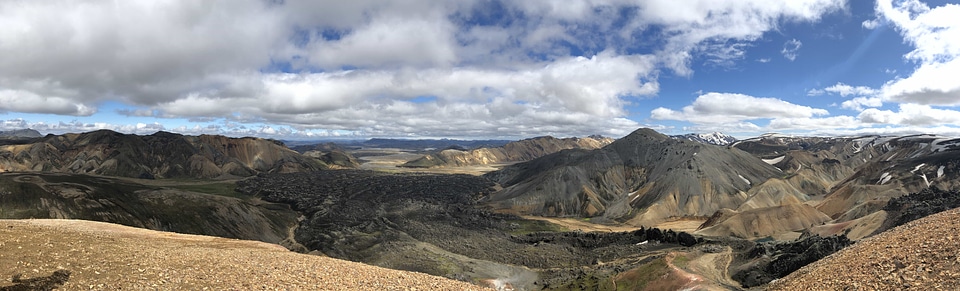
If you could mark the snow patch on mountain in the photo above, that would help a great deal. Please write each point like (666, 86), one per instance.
(774, 160)
(716, 138)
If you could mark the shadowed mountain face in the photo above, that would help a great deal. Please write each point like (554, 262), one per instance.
(645, 177)
(161, 155)
(125, 201)
(516, 151)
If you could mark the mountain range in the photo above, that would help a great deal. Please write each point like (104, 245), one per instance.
(715, 138)
(751, 210)
(761, 187)
(160, 155)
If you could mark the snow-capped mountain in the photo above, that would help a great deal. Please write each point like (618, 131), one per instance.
(716, 138)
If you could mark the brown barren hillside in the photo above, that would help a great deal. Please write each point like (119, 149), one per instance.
(920, 255)
(76, 254)
(517, 151)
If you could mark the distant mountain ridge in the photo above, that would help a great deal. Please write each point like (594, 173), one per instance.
(715, 138)
(20, 133)
(517, 151)
(160, 155)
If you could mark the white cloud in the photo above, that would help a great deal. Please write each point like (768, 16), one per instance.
(790, 49)
(911, 115)
(763, 60)
(390, 42)
(816, 92)
(932, 84)
(720, 108)
(935, 35)
(354, 66)
(809, 124)
(694, 24)
(847, 90)
(860, 103)
(29, 102)
(540, 99)
(865, 96)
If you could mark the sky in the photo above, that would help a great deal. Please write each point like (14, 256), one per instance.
(479, 69)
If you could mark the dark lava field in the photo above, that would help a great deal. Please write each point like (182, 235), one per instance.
(437, 224)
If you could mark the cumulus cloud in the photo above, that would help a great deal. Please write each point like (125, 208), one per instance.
(809, 124)
(552, 95)
(722, 108)
(847, 90)
(790, 49)
(935, 36)
(860, 103)
(492, 68)
(865, 96)
(911, 115)
(29, 102)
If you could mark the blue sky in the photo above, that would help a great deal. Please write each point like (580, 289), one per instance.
(480, 68)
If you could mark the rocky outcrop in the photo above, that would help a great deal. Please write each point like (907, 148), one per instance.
(771, 260)
(643, 178)
(920, 255)
(918, 205)
(160, 155)
(517, 151)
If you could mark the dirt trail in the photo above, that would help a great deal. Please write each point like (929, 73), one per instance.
(74, 254)
(577, 224)
(714, 267)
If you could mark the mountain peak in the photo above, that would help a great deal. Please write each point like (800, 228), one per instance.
(645, 134)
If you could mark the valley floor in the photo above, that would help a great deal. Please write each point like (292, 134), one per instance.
(389, 160)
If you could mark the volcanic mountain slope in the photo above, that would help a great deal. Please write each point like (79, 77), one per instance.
(161, 155)
(643, 178)
(899, 166)
(921, 254)
(75, 254)
(859, 175)
(517, 151)
(218, 211)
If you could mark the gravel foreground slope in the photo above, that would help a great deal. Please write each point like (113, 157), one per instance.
(920, 255)
(76, 254)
